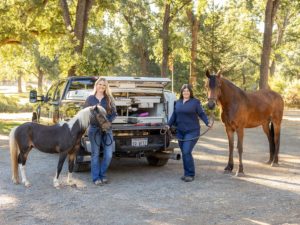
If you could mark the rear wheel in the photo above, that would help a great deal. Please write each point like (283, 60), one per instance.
(154, 161)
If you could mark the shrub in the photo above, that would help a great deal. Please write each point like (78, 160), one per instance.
(291, 94)
(11, 105)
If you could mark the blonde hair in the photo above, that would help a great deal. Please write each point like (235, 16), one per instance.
(107, 94)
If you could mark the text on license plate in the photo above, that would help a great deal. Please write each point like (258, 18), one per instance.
(138, 142)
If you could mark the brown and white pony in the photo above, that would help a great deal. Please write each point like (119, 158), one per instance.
(63, 138)
(241, 110)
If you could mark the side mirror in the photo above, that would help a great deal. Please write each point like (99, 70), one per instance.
(33, 96)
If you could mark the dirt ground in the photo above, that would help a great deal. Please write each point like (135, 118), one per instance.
(139, 194)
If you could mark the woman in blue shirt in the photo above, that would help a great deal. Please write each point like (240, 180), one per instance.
(185, 117)
(101, 95)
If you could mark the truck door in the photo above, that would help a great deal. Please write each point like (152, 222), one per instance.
(54, 116)
(46, 105)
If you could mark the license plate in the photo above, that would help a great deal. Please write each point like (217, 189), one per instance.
(138, 142)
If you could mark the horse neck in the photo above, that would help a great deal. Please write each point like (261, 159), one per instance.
(229, 93)
(77, 129)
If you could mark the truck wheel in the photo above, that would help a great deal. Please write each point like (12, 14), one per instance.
(154, 161)
(81, 167)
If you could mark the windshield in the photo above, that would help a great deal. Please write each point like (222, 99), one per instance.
(80, 89)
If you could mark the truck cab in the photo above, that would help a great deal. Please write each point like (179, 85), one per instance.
(143, 108)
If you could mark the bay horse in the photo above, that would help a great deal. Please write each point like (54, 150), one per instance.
(241, 110)
(63, 138)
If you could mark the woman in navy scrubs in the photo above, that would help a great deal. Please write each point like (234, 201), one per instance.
(185, 117)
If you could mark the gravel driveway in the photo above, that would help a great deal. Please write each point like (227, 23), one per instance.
(139, 194)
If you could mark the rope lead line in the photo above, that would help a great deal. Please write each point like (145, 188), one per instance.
(163, 131)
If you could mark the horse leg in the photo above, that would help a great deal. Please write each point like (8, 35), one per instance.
(240, 135)
(22, 157)
(71, 158)
(276, 144)
(269, 131)
(229, 167)
(62, 158)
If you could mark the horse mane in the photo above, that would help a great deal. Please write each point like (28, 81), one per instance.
(233, 86)
(83, 117)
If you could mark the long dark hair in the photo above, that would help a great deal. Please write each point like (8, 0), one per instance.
(186, 86)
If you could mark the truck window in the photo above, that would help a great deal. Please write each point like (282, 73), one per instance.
(59, 91)
(80, 89)
(51, 92)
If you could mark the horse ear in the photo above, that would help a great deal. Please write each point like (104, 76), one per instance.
(95, 108)
(207, 73)
(219, 73)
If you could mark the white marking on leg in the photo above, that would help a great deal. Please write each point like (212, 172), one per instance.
(69, 180)
(23, 175)
(55, 181)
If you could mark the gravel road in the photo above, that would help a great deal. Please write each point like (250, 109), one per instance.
(139, 194)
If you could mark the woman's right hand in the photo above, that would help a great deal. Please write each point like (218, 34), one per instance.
(167, 127)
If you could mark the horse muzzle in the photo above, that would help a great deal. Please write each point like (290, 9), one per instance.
(211, 104)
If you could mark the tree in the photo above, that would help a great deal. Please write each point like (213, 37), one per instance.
(168, 17)
(270, 12)
(80, 26)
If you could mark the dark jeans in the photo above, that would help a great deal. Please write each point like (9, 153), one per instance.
(187, 147)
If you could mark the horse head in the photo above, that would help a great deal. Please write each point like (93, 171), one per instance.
(99, 114)
(213, 88)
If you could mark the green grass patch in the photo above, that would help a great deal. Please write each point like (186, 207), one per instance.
(6, 126)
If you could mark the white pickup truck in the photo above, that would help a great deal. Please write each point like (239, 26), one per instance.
(143, 107)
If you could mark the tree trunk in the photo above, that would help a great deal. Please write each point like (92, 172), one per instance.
(144, 61)
(280, 33)
(194, 30)
(20, 83)
(270, 12)
(165, 40)
(81, 21)
(40, 80)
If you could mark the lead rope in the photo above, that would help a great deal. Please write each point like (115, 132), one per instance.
(163, 131)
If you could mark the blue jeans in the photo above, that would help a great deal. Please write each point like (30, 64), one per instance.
(97, 139)
(186, 148)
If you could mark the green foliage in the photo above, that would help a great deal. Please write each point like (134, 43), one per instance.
(11, 105)
(124, 38)
(291, 94)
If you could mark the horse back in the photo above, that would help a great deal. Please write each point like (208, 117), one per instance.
(50, 139)
(264, 105)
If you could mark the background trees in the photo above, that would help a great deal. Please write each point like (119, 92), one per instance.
(58, 38)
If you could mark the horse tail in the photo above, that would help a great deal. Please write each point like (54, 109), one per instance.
(14, 150)
(272, 136)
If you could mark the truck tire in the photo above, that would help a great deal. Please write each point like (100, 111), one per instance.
(154, 161)
(81, 167)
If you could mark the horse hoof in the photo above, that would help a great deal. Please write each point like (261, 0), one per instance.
(227, 172)
(275, 164)
(56, 185)
(73, 185)
(240, 174)
(269, 162)
(15, 181)
(27, 184)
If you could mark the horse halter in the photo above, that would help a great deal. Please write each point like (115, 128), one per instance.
(94, 118)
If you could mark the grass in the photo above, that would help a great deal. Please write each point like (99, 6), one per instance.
(6, 126)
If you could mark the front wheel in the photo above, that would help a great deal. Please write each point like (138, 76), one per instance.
(154, 161)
